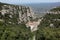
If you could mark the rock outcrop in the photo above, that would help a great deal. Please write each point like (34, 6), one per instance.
(14, 14)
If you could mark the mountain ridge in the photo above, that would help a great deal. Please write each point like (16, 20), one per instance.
(18, 13)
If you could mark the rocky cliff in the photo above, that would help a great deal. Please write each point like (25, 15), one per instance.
(14, 14)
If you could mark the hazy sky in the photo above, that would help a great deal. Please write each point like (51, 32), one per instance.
(28, 1)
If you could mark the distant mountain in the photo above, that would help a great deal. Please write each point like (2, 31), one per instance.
(3, 4)
(43, 7)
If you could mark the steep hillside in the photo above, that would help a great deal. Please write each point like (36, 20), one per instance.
(12, 22)
(49, 28)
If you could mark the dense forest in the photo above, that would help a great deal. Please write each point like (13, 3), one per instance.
(49, 28)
